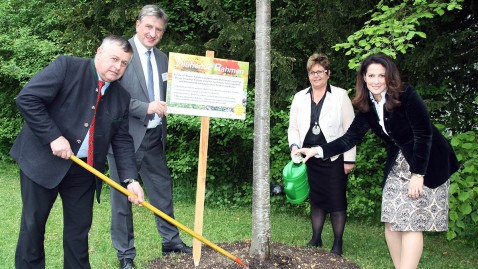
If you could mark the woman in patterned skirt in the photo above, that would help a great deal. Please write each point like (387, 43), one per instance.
(419, 162)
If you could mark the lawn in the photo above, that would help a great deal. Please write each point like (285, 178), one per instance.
(363, 243)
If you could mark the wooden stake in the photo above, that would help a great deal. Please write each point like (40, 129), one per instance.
(201, 182)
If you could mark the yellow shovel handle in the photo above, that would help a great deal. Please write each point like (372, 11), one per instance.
(157, 211)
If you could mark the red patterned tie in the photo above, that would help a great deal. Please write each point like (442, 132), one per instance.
(89, 159)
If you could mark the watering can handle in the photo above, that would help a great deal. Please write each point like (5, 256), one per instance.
(295, 164)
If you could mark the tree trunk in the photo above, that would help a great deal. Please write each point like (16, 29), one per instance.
(261, 226)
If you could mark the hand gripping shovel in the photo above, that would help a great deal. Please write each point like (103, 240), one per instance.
(158, 212)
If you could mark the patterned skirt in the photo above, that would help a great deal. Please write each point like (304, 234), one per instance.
(427, 213)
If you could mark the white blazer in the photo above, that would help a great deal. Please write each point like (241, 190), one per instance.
(335, 118)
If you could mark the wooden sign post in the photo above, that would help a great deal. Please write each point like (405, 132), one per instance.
(201, 182)
(206, 87)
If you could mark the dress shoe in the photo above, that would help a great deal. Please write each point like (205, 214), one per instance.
(337, 252)
(179, 248)
(312, 244)
(337, 248)
(127, 264)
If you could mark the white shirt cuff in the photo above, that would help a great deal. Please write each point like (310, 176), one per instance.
(320, 152)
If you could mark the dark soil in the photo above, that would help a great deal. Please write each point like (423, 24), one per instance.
(284, 257)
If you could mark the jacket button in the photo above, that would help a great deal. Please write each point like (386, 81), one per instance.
(85, 124)
(93, 107)
(78, 141)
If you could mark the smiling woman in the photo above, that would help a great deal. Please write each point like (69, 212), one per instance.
(318, 115)
(419, 163)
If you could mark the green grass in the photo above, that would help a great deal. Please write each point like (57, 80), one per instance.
(364, 242)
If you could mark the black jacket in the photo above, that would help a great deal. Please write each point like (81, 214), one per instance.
(410, 130)
(58, 101)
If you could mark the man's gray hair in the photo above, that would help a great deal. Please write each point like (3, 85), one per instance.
(153, 10)
(118, 40)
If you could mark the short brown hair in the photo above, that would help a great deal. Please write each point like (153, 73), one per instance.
(318, 58)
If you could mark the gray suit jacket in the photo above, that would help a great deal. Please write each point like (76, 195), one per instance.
(134, 82)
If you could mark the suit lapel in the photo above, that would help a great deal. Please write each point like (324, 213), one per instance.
(138, 68)
(160, 75)
(326, 106)
(304, 113)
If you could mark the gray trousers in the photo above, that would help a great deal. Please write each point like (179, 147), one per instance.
(157, 182)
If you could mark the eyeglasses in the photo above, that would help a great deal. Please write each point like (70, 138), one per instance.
(318, 73)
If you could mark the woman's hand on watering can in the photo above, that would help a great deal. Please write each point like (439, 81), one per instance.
(295, 154)
(308, 153)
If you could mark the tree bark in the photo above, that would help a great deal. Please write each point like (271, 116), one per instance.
(261, 226)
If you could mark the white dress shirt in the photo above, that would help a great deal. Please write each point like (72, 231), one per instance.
(144, 64)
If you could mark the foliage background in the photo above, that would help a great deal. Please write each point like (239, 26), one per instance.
(443, 67)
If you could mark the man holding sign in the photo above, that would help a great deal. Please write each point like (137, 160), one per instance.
(146, 80)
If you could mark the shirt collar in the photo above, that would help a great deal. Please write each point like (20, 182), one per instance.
(329, 89)
(140, 47)
(107, 84)
(382, 101)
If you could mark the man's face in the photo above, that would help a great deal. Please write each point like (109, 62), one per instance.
(111, 62)
(150, 30)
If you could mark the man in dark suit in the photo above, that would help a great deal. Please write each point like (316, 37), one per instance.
(145, 79)
(61, 107)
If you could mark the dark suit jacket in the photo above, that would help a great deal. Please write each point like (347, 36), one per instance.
(58, 102)
(134, 82)
(410, 130)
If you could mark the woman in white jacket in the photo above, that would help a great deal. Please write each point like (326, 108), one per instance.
(320, 114)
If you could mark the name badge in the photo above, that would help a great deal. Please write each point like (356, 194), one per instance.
(165, 76)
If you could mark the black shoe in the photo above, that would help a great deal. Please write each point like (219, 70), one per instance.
(337, 248)
(179, 248)
(127, 264)
(337, 252)
(311, 244)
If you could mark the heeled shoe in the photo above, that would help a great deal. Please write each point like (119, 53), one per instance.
(337, 248)
(311, 244)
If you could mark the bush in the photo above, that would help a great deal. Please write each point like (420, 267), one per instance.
(364, 189)
(229, 162)
(464, 187)
(10, 122)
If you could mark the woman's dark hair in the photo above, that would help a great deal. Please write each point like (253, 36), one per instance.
(392, 79)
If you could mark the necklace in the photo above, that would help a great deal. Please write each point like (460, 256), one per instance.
(316, 128)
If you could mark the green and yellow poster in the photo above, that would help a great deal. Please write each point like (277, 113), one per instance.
(205, 86)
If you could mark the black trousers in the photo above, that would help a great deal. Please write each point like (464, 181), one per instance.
(156, 177)
(77, 193)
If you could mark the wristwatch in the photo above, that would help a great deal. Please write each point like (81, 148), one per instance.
(129, 180)
(291, 146)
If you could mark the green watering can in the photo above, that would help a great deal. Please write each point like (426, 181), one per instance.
(296, 185)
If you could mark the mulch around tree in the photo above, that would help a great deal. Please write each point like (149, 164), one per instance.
(284, 257)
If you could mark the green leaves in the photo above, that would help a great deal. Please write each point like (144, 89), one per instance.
(392, 29)
(464, 185)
